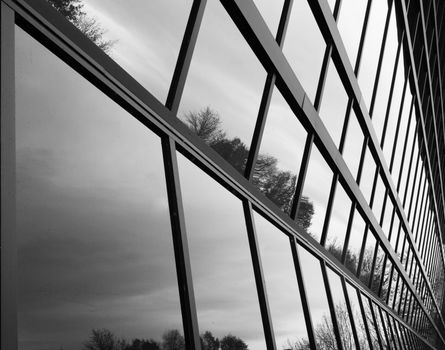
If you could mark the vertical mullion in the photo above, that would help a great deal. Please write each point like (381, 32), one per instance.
(266, 97)
(362, 38)
(185, 55)
(8, 183)
(331, 304)
(302, 289)
(259, 278)
(350, 312)
(365, 319)
(182, 258)
(405, 143)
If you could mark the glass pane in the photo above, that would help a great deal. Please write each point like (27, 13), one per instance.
(387, 216)
(385, 78)
(338, 222)
(350, 24)
(368, 255)
(394, 110)
(333, 104)
(378, 270)
(355, 242)
(368, 172)
(373, 329)
(281, 284)
(379, 195)
(304, 47)
(341, 311)
(134, 34)
(95, 253)
(316, 189)
(271, 13)
(400, 140)
(281, 150)
(379, 325)
(371, 49)
(352, 149)
(224, 85)
(358, 317)
(223, 278)
(318, 303)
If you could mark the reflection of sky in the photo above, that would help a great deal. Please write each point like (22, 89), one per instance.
(281, 284)
(95, 244)
(222, 271)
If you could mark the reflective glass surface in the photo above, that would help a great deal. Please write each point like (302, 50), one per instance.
(394, 110)
(352, 148)
(223, 278)
(134, 34)
(368, 172)
(379, 194)
(371, 49)
(357, 316)
(368, 255)
(304, 47)
(355, 242)
(386, 73)
(338, 222)
(350, 24)
(281, 284)
(95, 252)
(333, 104)
(316, 189)
(373, 328)
(317, 300)
(341, 311)
(224, 85)
(281, 150)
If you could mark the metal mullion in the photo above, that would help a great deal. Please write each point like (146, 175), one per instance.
(380, 61)
(362, 250)
(399, 119)
(403, 9)
(180, 244)
(423, 234)
(362, 38)
(422, 16)
(393, 306)
(302, 175)
(380, 314)
(9, 248)
(329, 209)
(429, 225)
(259, 277)
(413, 184)
(267, 96)
(405, 143)
(364, 317)
(348, 231)
(185, 55)
(245, 14)
(438, 66)
(391, 91)
(331, 304)
(419, 205)
(302, 289)
(422, 238)
(350, 312)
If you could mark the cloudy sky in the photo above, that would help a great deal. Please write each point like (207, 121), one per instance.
(95, 244)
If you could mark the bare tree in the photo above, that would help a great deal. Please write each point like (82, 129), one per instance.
(73, 10)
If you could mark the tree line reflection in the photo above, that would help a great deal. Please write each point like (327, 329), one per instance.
(104, 339)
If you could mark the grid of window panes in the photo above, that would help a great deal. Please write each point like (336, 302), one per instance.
(280, 184)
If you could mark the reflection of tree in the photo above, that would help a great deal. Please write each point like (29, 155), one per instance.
(74, 12)
(275, 184)
(104, 339)
(325, 336)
